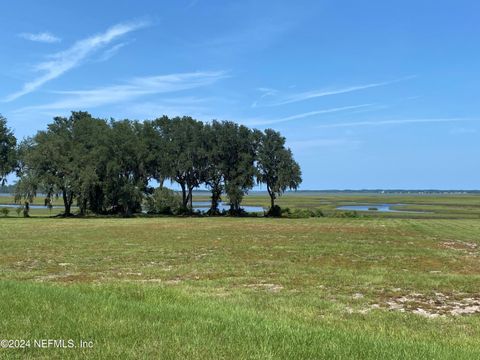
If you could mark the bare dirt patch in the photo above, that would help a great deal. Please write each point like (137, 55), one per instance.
(433, 306)
(459, 245)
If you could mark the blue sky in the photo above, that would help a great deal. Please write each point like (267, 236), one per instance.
(370, 94)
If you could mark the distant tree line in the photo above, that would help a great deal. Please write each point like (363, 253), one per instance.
(105, 167)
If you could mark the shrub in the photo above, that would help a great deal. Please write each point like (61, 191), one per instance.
(299, 214)
(240, 212)
(275, 211)
(5, 211)
(164, 201)
(345, 214)
(319, 213)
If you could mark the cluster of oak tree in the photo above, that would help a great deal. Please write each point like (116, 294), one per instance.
(106, 166)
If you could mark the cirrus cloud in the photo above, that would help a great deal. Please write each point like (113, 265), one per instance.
(130, 90)
(63, 61)
(45, 37)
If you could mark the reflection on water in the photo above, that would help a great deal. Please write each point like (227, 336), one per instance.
(204, 206)
(30, 206)
(375, 207)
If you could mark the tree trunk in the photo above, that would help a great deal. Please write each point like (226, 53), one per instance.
(272, 202)
(83, 203)
(216, 193)
(26, 209)
(190, 198)
(272, 197)
(184, 195)
(235, 208)
(66, 202)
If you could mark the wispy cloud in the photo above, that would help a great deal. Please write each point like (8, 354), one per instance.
(306, 114)
(135, 88)
(265, 92)
(112, 51)
(44, 37)
(302, 96)
(394, 122)
(65, 60)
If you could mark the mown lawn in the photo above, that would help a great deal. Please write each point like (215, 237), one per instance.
(208, 288)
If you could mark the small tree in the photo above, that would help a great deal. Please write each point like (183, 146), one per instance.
(26, 190)
(276, 167)
(164, 201)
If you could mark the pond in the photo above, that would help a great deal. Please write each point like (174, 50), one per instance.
(204, 206)
(31, 206)
(375, 208)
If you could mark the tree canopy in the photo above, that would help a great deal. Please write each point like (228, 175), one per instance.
(106, 166)
(275, 166)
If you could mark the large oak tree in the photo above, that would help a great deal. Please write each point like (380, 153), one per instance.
(275, 166)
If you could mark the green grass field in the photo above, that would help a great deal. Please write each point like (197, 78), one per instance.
(381, 286)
